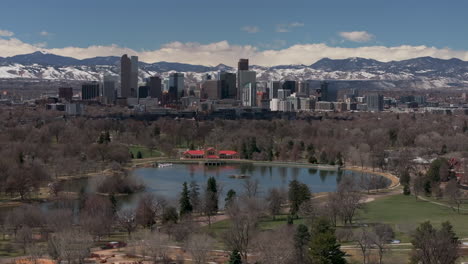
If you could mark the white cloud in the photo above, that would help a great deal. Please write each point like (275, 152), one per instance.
(282, 28)
(224, 52)
(357, 36)
(250, 29)
(6, 33)
(45, 33)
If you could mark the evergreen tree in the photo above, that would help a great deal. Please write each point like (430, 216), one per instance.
(139, 155)
(107, 137)
(406, 189)
(230, 196)
(169, 215)
(301, 242)
(131, 155)
(339, 159)
(323, 157)
(113, 201)
(184, 202)
(211, 198)
(235, 257)
(323, 246)
(298, 193)
(194, 194)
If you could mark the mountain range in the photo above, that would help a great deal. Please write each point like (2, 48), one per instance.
(418, 73)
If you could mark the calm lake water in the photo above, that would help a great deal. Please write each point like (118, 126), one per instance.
(168, 181)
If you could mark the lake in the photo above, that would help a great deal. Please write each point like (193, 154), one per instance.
(168, 181)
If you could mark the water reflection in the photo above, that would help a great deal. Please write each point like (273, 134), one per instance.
(168, 181)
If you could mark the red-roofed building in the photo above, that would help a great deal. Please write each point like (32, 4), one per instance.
(210, 153)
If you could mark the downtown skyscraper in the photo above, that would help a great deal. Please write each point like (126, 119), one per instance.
(128, 76)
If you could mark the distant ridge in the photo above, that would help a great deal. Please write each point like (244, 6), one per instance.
(423, 72)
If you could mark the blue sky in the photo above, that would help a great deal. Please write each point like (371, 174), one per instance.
(145, 25)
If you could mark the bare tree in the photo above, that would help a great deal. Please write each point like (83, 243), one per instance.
(244, 215)
(454, 194)
(348, 199)
(275, 199)
(97, 216)
(148, 209)
(250, 188)
(71, 245)
(380, 236)
(362, 237)
(154, 246)
(275, 246)
(24, 237)
(435, 246)
(199, 246)
(126, 219)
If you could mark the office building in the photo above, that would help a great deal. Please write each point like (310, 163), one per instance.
(295, 103)
(283, 94)
(375, 102)
(274, 104)
(155, 87)
(228, 85)
(134, 76)
(284, 106)
(242, 66)
(289, 85)
(74, 109)
(324, 92)
(90, 91)
(273, 88)
(143, 91)
(303, 89)
(307, 104)
(211, 89)
(66, 93)
(244, 78)
(249, 94)
(176, 87)
(125, 76)
(109, 92)
(323, 106)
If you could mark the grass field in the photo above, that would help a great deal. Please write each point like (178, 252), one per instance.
(405, 213)
(145, 152)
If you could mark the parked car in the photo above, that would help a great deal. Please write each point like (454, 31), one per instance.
(112, 245)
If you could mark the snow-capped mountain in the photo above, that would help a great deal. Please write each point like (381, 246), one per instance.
(424, 72)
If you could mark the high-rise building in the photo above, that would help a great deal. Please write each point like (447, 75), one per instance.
(375, 102)
(324, 92)
(244, 78)
(143, 91)
(242, 65)
(283, 94)
(66, 93)
(125, 76)
(134, 76)
(109, 89)
(90, 91)
(228, 85)
(290, 85)
(249, 94)
(212, 89)
(273, 87)
(176, 86)
(155, 86)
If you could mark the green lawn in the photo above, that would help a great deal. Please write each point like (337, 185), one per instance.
(265, 224)
(145, 152)
(405, 213)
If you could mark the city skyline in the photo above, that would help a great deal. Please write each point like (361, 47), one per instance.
(338, 29)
